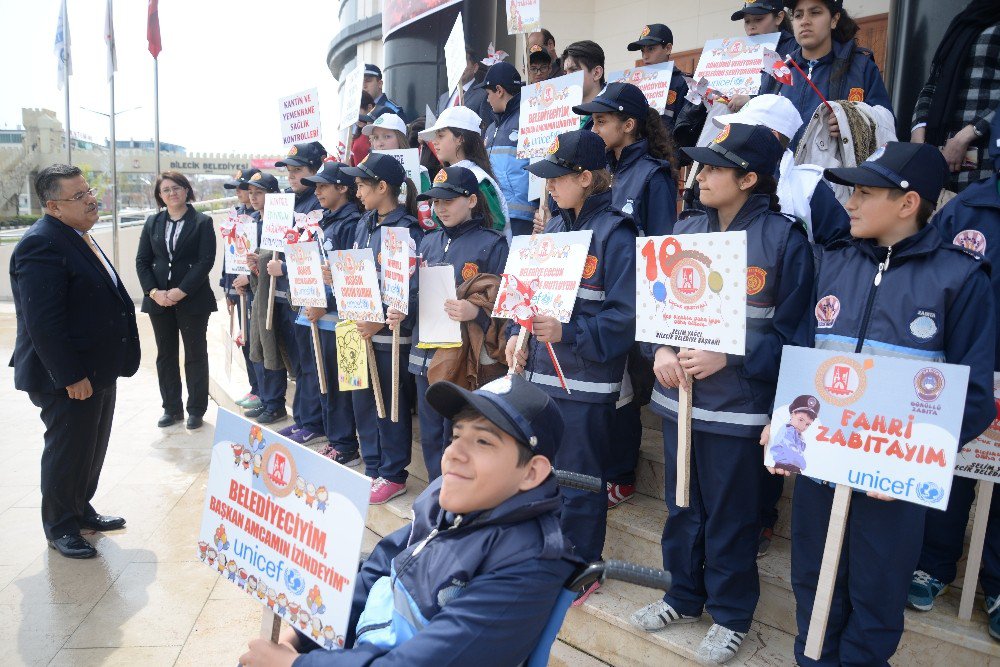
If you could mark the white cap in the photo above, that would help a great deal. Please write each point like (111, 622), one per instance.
(772, 111)
(387, 121)
(462, 118)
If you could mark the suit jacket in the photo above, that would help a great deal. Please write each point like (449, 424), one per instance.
(194, 255)
(74, 321)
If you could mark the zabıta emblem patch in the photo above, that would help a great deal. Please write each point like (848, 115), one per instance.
(645, 31)
(856, 95)
(590, 267)
(756, 279)
(671, 97)
(441, 177)
(554, 147)
(971, 239)
(256, 177)
(239, 174)
(469, 270)
(294, 150)
(722, 135)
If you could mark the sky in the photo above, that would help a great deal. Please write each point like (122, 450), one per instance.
(206, 103)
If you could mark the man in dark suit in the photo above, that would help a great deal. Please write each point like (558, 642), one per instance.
(76, 335)
(473, 93)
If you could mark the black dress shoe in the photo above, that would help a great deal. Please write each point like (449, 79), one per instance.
(102, 522)
(169, 420)
(268, 417)
(73, 546)
(194, 421)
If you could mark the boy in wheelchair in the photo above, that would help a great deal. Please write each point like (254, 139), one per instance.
(474, 578)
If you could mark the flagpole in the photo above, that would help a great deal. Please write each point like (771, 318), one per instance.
(69, 138)
(114, 177)
(156, 112)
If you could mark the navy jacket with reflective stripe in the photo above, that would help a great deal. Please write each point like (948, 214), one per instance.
(501, 143)
(644, 189)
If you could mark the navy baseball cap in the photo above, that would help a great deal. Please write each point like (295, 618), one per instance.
(331, 174)
(514, 405)
(240, 178)
(378, 167)
(901, 166)
(746, 147)
(451, 183)
(502, 74)
(265, 182)
(309, 154)
(372, 70)
(617, 97)
(758, 8)
(654, 33)
(572, 153)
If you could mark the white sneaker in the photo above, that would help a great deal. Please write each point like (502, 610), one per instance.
(720, 645)
(658, 615)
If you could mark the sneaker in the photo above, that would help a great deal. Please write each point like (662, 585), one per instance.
(619, 493)
(383, 491)
(923, 589)
(253, 413)
(304, 436)
(243, 401)
(328, 451)
(658, 615)
(268, 417)
(582, 596)
(252, 403)
(288, 431)
(720, 645)
(764, 541)
(349, 459)
(993, 611)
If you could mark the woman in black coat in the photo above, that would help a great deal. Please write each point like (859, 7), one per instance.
(176, 254)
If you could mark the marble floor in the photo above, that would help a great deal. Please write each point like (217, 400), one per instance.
(147, 599)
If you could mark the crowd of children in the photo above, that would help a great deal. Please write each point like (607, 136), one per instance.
(882, 257)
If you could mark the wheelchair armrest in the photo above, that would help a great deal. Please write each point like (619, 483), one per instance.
(640, 575)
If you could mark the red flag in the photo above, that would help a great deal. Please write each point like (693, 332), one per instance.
(776, 66)
(153, 29)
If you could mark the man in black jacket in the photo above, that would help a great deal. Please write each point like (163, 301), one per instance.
(76, 335)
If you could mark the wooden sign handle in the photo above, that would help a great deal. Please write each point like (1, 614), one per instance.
(983, 501)
(243, 317)
(828, 571)
(376, 385)
(318, 353)
(684, 404)
(522, 340)
(270, 296)
(270, 625)
(394, 414)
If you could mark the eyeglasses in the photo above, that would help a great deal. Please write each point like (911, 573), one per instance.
(539, 70)
(80, 196)
(171, 191)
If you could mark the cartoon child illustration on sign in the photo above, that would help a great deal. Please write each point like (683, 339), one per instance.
(331, 639)
(317, 627)
(258, 463)
(237, 453)
(251, 585)
(788, 450)
(231, 570)
(322, 498)
(300, 487)
(272, 596)
(293, 612)
(304, 619)
(310, 494)
(282, 604)
(220, 564)
(242, 578)
(211, 554)
(202, 549)
(246, 459)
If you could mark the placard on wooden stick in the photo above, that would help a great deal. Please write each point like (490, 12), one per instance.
(691, 292)
(398, 253)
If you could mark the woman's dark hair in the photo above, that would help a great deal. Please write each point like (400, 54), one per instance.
(427, 157)
(481, 210)
(767, 184)
(652, 129)
(474, 149)
(411, 193)
(178, 178)
(601, 182)
(352, 195)
(847, 28)
(786, 22)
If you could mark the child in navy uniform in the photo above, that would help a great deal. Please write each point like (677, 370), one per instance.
(789, 450)
(710, 547)
(591, 347)
(473, 580)
(469, 244)
(385, 445)
(228, 284)
(879, 283)
(337, 194)
(970, 220)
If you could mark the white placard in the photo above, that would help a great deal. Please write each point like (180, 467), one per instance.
(546, 112)
(305, 274)
(279, 212)
(397, 259)
(536, 185)
(691, 290)
(300, 117)
(350, 97)
(551, 267)
(355, 285)
(524, 16)
(409, 158)
(454, 53)
(733, 65)
(980, 459)
(652, 80)
(437, 284)
(239, 236)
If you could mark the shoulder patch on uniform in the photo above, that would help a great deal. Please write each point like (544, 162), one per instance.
(827, 310)
(971, 239)
(590, 267)
(469, 270)
(671, 97)
(856, 95)
(756, 279)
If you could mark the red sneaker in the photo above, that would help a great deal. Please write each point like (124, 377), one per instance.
(383, 491)
(619, 493)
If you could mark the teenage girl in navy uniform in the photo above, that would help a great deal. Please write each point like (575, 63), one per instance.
(764, 17)
(592, 347)
(385, 445)
(710, 547)
(238, 184)
(337, 194)
(469, 244)
(872, 297)
(828, 54)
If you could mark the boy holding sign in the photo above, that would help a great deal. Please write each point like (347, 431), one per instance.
(480, 567)
(592, 347)
(872, 298)
(710, 546)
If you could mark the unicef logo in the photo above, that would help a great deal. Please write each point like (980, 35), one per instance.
(929, 492)
(294, 582)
